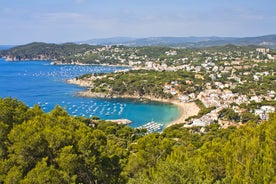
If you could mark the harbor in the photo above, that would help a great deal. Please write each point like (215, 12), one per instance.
(120, 121)
(152, 127)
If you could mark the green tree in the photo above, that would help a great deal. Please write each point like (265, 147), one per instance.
(247, 116)
(229, 114)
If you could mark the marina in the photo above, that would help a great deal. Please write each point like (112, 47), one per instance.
(120, 121)
(152, 127)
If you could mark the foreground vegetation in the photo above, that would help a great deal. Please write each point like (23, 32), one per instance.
(38, 147)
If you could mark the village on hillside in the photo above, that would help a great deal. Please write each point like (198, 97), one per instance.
(238, 81)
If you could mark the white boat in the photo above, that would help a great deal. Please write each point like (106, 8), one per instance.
(152, 126)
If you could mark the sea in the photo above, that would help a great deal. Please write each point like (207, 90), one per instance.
(39, 82)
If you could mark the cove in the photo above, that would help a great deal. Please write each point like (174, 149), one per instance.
(39, 82)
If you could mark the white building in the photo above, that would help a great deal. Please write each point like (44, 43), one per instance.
(264, 111)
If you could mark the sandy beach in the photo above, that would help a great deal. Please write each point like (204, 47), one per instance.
(188, 109)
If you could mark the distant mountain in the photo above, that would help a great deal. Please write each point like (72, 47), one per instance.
(109, 41)
(267, 41)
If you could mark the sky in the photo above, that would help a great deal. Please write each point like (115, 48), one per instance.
(59, 21)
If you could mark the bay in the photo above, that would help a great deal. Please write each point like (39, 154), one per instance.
(39, 82)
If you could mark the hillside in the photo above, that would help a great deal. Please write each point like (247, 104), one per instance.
(124, 48)
(139, 83)
(44, 51)
(112, 55)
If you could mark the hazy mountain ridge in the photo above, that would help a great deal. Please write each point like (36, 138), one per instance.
(266, 40)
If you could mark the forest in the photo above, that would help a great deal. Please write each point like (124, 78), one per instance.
(37, 50)
(54, 147)
(143, 83)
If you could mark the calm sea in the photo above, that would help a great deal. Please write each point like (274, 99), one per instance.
(6, 47)
(39, 82)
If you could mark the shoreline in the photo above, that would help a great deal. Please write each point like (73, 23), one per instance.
(54, 62)
(187, 109)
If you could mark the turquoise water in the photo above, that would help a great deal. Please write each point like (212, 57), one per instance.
(39, 82)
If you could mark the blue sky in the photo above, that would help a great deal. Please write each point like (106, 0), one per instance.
(24, 21)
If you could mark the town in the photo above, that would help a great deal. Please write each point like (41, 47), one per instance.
(239, 81)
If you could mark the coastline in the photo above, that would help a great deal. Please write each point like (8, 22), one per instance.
(187, 109)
